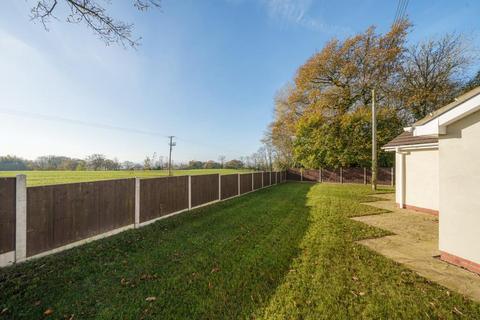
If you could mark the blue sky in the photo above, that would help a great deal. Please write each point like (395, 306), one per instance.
(207, 72)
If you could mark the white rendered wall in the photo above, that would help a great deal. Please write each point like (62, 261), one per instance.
(422, 179)
(459, 232)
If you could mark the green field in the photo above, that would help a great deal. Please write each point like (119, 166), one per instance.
(40, 178)
(286, 252)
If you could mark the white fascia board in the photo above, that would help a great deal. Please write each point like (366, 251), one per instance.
(431, 128)
(438, 125)
(462, 110)
(423, 146)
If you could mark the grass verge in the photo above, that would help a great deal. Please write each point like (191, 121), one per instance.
(41, 178)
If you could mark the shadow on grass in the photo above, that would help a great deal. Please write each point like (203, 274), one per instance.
(217, 262)
(334, 277)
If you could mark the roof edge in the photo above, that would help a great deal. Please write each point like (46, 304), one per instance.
(412, 146)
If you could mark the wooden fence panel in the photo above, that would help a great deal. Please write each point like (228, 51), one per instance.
(162, 196)
(385, 176)
(61, 214)
(353, 175)
(330, 175)
(245, 183)
(294, 174)
(345, 175)
(257, 180)
(7, 214)
(204, 189)
(229, 185)
(266, 179)
(274, 177)
(311, 175)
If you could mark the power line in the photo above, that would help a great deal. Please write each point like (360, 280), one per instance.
(400, 11)
(404, 10)
(32, 115)
(39, 116)
(396, 12)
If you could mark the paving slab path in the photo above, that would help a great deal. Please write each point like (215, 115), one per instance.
(415, 245)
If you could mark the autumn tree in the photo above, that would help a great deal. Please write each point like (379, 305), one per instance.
(282, 130)
(324, 118)
(432, 74)
(329, 106)
(94, 15)
(472, 83)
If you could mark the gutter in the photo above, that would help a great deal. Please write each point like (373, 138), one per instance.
(423, 146)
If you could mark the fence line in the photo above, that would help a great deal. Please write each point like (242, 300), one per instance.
(38, 221)
(342, 175)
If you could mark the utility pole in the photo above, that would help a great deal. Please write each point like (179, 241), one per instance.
(171, 144)
(374, 143)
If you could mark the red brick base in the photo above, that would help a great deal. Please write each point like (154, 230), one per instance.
(419, 209)
(461, 262)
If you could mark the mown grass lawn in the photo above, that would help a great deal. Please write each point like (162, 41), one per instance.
(286, 252)
(41, 178)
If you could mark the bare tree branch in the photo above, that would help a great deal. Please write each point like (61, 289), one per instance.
(95, 16)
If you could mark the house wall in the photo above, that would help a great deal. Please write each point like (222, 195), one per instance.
(399, 178)
(459, 228)
(421, 180)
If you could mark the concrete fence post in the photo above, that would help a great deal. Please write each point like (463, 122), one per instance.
(263, 183)
(238, 184)
(137, 202)
(341, 175)
(320, 178)
(364, 175)
(253, 177)
(219, 187)
(270, 177)
(21, 218)
(189, 192)
(301, 174)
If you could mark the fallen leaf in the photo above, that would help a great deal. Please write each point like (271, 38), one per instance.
(4, 310)
(457, 311)
(354, 278)
(361, 293)
(48, 312)
(150, 299)
(215, 270)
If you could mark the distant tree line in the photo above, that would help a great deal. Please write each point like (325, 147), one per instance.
(94, 162)
(99, 162)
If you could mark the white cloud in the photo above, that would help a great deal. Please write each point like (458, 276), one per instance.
(289, 10)
(298, 12)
